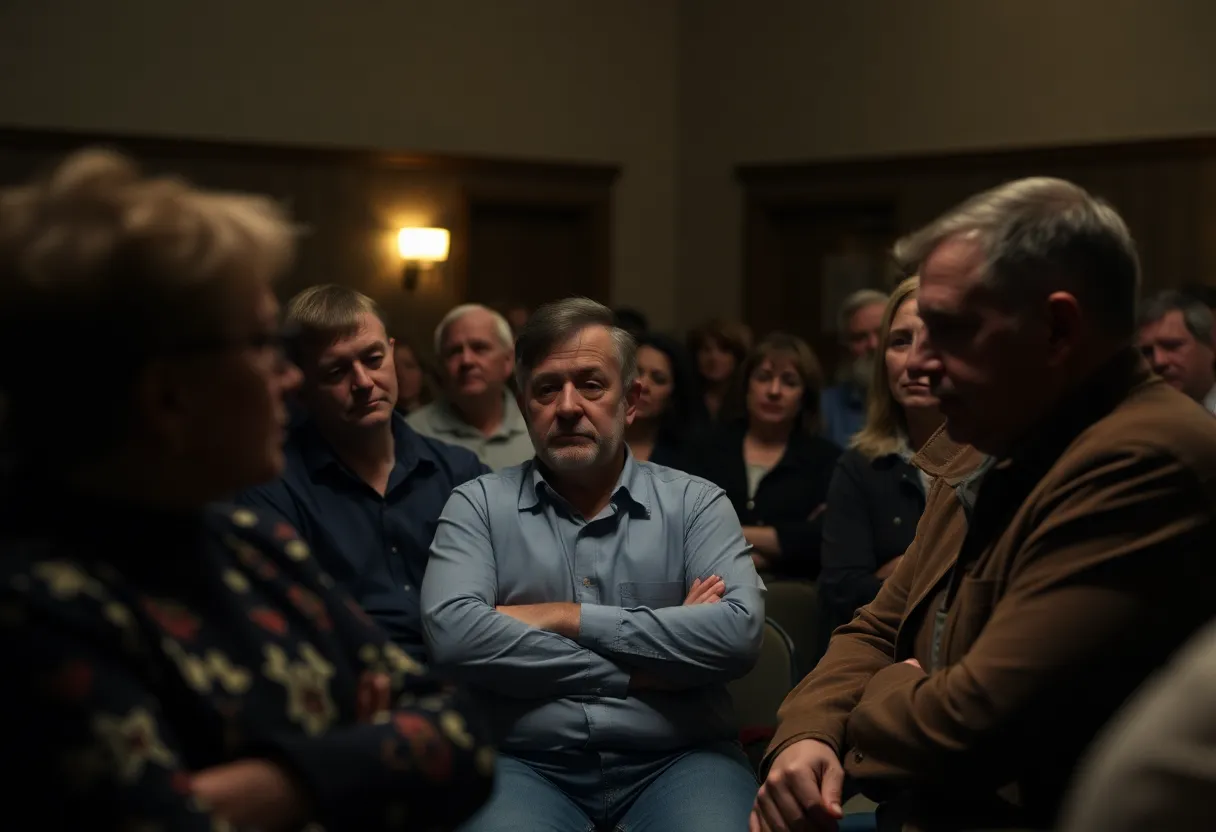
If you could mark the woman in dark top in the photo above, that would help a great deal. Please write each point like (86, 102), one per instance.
(168, 665)
(773, 465)
(660, 427)
(877, 496)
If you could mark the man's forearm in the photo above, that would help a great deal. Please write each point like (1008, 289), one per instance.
(562, 617)
(686, 645)
(516, 659)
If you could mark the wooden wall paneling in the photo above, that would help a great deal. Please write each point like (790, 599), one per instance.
(351, 202)
(1165, 190)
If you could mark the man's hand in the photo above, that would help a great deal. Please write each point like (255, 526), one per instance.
(708, 591)
(802, 791)
(254, 794)
(559, 617)
(914, 663)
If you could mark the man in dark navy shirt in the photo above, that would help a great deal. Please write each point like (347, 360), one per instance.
(361, 487)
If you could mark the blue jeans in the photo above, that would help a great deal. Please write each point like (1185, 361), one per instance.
(708, 789)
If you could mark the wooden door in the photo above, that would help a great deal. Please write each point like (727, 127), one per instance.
(816, 254)
(531, 253)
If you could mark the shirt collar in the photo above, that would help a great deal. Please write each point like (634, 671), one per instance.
(630, 491)
(408, 448)
(446, 419)
(1209, 401)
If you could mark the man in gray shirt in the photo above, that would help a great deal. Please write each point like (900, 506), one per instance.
(476, 410)
(598, 605)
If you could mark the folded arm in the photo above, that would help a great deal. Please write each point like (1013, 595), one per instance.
(470, 639)
(1086, 601)
(694, 644)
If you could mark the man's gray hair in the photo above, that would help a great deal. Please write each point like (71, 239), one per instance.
(502, 329)
(559, 320)
(858, 300)
(1195, 313)
(1040, 235)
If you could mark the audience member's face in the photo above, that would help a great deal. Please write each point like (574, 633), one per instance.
(351, 384)
(576, 406)
(1176, 356)
(988, 365)
(715, 363)
(475, 361)
(657, 383)
(774, 391)
(409, 375)
(235, 416)
(911, 391)
(864, 333)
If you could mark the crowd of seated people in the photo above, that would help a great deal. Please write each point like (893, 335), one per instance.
(510, 594)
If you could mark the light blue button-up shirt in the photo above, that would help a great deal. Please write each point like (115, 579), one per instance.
(508, 538)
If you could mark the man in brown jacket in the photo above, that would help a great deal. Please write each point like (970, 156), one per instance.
(1068, 546)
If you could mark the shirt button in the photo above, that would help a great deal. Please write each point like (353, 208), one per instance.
(408, 587)
(751, 504)
(394, 550)
(899, 521)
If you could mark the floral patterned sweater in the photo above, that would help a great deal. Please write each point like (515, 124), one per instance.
(139, 647)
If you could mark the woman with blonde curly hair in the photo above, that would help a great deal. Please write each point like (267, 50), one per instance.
(172, 664)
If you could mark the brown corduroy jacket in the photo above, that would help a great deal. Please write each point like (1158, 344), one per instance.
(1038, 593)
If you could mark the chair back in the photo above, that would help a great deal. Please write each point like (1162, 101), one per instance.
(759, 694)
(794, 605)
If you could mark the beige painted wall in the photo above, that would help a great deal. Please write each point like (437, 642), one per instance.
(797, 80)
(676, 91)
(550, 79)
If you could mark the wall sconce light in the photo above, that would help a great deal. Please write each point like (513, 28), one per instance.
(421, 248)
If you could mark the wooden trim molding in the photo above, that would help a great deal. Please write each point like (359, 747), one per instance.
(172, 147)
(759, 175)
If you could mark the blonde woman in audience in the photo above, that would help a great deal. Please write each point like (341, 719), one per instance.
(719, 348)
(773, 464)
(170, 665)
(877, 496)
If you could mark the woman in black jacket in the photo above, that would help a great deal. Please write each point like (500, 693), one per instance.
(773, 465)
(877, 496)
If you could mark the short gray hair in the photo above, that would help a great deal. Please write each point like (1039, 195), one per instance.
(1041, 229)
(554, 322)
(502, 329)
(858, 300)
(1195, 313)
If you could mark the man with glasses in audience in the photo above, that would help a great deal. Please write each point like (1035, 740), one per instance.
(476, 411)
(1065, 552)
(599, 605)
(361, 487)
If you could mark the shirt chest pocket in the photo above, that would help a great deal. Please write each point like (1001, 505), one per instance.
(651, 594)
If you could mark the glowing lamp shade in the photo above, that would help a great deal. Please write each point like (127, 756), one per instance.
(423, 245)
